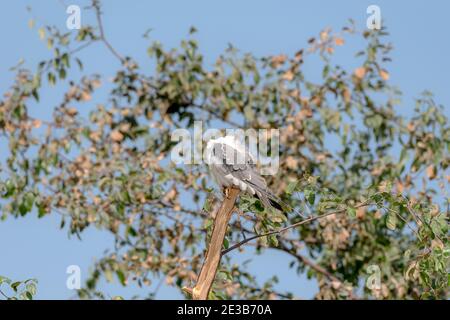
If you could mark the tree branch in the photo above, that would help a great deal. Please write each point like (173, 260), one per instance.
(315, 267)
(213, 253)
(98, 14)
(241, 243)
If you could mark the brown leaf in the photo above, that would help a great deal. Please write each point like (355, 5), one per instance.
(431, 172)
(116, 136)
(360, 72)
(72, 112)
(298, 56)
(37, 123)
(384, 75)
(171, 195)
(360, 212)
(346, 95)
(339, 41)
(400, 186)
(288, 75)
(291, 163)
(85, 96)
(305, 113)
(276, 61)
(317, 100)
(324, 35)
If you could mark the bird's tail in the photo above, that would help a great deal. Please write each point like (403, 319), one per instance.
(269, 199)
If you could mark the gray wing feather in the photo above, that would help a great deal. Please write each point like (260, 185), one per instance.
(245, 172)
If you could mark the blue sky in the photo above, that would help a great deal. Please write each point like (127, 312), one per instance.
(37, 248)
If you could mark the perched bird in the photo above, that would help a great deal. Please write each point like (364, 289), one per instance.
(232, 165)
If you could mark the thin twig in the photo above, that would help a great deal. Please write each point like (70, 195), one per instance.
(239, 244)
(98, 14)
(3, 294)
(314, 266)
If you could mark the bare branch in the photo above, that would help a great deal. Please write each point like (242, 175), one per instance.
(315, 267)
(241, 243)
(98, 14)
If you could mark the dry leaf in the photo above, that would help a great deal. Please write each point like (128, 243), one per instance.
(288, 75)
(116, 136)
(305, 113)
(291, 163)
(278, 60)
(170, 195)
(37, 123)
(360, 72)
(339, 41)
(85, 96)
(72, 112)
(317, 100)
(298, 56)
(400, 186)
(321, 157)
(324, 35)
(346, 95)
(360, 212)
(431, 172)
(384, 75)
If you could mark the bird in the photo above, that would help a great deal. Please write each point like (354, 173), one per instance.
(231, 165)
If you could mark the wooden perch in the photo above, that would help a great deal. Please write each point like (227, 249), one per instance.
(213, 253)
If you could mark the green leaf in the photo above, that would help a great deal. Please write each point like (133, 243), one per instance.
(79, 63)
(4, 280)
(29, 200)
(291, 187)
(132, 232)
(62, 73)
(41, 32)
(31, 288)
(15, 285)
(273, 240)
(351, 212)
(65, 60)
(121, 277)
(108, 275)
(310, 196)
(51, 78)
(391, 221)
(407, 254)
(226, 243)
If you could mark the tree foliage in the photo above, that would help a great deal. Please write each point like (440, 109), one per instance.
(18, 290)
(345, 148)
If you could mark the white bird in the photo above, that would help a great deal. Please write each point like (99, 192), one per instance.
(231, 165)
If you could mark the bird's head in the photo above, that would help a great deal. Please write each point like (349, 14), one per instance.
(231, 142)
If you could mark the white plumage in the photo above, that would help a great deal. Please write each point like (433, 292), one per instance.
(232, 165)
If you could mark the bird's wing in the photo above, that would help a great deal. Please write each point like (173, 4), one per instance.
(242, 174)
